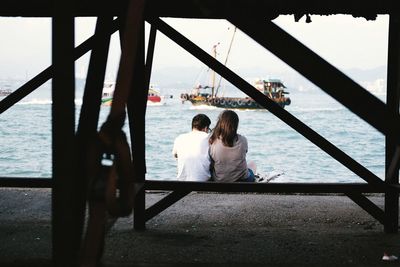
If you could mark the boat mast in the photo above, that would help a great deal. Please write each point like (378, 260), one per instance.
(226, 59)
(214, 54)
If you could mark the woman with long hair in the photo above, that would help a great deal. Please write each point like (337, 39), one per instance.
(228, 151)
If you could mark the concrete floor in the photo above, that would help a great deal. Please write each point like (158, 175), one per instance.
(209, 229)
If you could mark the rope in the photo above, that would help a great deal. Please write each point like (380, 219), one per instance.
(111, 188)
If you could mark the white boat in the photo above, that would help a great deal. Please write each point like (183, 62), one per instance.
(108, 92)
(153, 96)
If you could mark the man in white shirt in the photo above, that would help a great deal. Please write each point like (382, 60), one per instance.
(191, 150)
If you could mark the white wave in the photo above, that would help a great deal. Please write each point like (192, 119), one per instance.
(200, 107)
(149, 103)
(251, 110)
(36, 101)
(315, 109)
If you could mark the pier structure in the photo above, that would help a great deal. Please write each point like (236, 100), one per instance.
(69, 182)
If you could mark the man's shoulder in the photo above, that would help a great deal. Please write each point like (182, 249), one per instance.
(193, 135)
(182, 137)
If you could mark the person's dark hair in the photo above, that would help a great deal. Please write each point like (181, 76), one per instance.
(226, 128)
(200, 121)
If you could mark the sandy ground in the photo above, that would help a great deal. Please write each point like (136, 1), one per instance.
(209, 229)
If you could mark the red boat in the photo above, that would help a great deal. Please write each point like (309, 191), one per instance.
(153, 96)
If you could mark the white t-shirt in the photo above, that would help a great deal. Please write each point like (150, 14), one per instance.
(193, 159)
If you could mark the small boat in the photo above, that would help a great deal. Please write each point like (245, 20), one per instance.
(108, 93)
(5, 90)
(153, 96)
(272, 88)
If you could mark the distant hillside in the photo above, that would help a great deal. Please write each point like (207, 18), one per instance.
(176, 80)
(186, 77)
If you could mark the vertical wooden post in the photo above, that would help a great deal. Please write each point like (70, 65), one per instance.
(65, 222)
(131, 74)
(136, 113)
(392, 101)
(139, 125)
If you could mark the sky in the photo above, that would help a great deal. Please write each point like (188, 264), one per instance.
(342, 40)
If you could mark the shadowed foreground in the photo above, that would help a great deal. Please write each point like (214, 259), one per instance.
(212, 229)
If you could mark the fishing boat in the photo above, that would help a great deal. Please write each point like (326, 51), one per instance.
(271, 88)
(208, 95)
(153, 96)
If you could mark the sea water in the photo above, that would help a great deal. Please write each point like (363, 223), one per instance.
(25, 132)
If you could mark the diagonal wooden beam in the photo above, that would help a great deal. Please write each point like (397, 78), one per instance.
(150, 55)
(368, 206)
(90, 110)
(47, 74)
(165, 203)
(321, 73)
(89, 116)
(131, 44)
(267, 103)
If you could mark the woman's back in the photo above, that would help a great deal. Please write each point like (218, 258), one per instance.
(229, 163)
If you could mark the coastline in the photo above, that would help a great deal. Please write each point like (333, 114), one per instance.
(206, 229)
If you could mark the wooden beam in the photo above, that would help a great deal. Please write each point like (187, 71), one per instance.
(47, 74)
(164, 203)
(368, 206)
(267, 103)
(91, 101)
(89, 115)
(320, 72)
(65, 219)
(392, 146)
(205, 8)
(26, 89)
(26, 182)
(136, 113)
(265, 187)
(149, 58)
(140, 200)
(131, 76)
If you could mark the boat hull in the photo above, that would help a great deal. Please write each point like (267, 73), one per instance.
(154, 99)
(231, 102)
(106, 101)
(150, 99)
